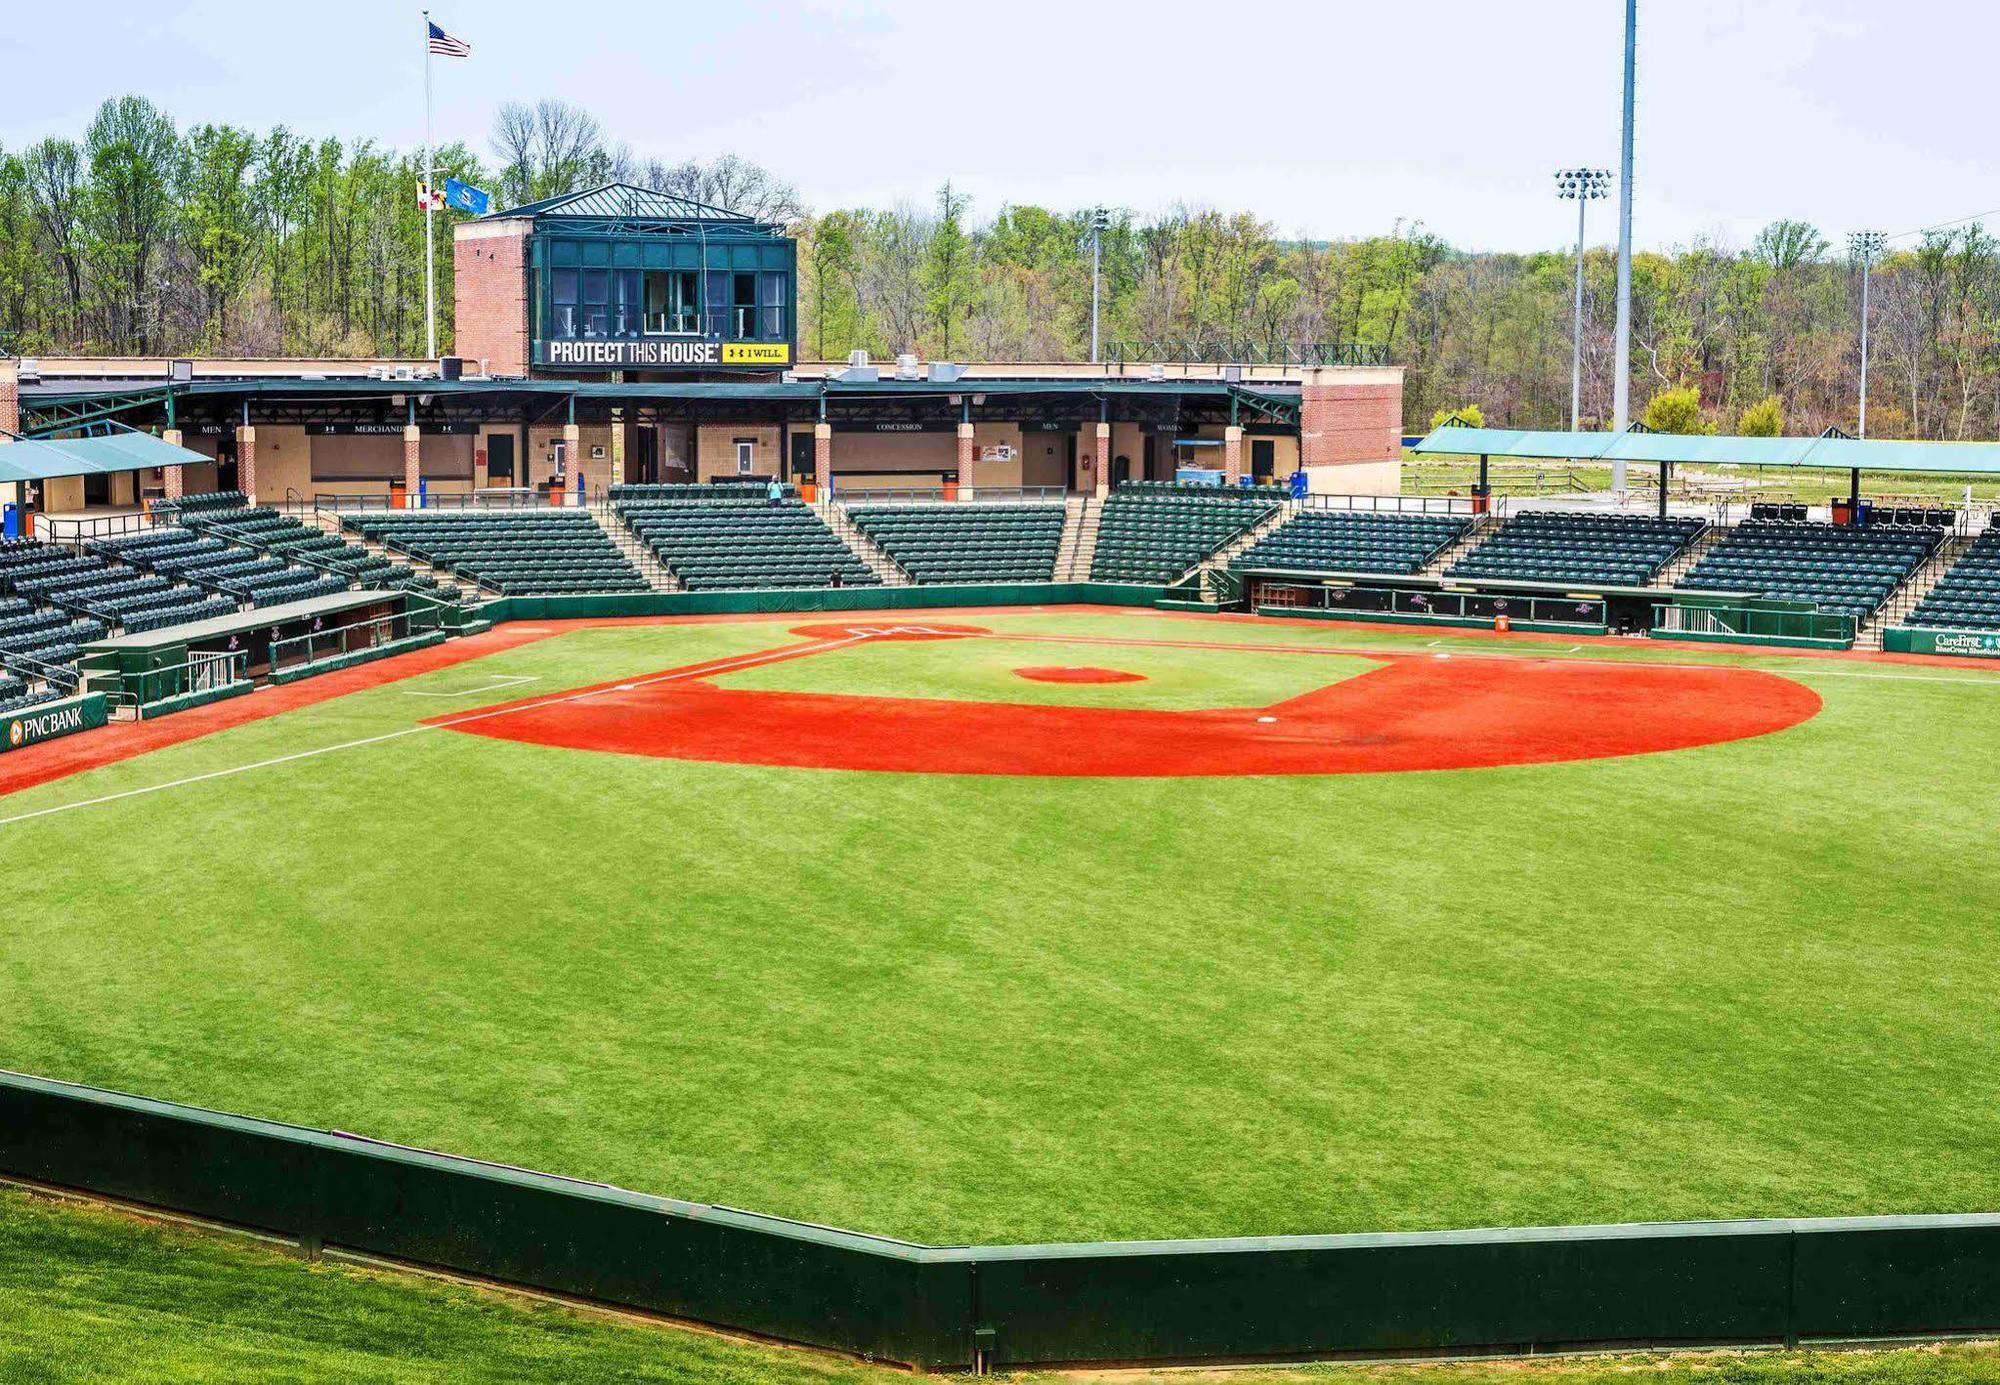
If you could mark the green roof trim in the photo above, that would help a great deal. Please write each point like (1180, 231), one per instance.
(44, 459)
(624, 201)
(1651, 449)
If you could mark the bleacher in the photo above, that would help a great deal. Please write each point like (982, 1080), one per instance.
(967, 542)
(1968, 596)
(722, 537)
(1154, 531)
(1836, 567)
(97, 591)
(1577, 547)
(517, 552)
(1355, 541)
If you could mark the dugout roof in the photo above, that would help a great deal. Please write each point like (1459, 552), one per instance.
(1982, 458)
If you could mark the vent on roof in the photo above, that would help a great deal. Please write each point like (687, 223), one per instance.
(858, 359)
(946, 372)
(906, 366)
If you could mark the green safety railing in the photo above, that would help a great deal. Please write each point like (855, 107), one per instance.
(1751, 622)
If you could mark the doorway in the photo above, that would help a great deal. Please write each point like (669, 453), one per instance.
(802, 458)
(1263, 460)
(649, 455)
(499, 459)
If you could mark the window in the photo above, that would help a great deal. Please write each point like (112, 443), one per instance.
(745, 450)
(772, 307)
(563, 291)
(718, 301)
(594, 304)
(673, 301)
(743, 305)
(625, 302)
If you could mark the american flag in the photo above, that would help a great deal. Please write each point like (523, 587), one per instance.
(445, 46)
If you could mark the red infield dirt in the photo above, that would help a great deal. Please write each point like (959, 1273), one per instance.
(1054, 673)
(1412, 712)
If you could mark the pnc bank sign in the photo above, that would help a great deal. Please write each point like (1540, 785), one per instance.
(666, 353)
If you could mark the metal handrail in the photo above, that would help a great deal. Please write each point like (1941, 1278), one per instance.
(343, 635)
(1393, 504)
(931, 495)
(198, 668)
(48, 673)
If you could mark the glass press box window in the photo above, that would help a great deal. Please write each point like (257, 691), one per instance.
(616, 288)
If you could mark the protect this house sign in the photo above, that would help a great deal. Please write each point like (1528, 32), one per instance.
(678, 351)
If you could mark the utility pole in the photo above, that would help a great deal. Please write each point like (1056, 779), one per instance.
(1583, 186)
(1866, 246)
(1621, 385)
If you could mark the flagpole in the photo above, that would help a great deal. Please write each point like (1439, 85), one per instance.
(430, 177)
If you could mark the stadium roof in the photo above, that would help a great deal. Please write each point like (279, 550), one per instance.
(619, 201)
(42, 459)
(1840, 453)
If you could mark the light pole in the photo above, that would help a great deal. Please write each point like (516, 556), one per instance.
(1100, 222)
(1582, 186)
(1621, 385)
(1866, 246)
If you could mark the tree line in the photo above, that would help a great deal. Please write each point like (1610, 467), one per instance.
(143, 238)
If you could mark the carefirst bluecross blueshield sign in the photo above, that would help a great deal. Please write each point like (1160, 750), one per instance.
(1969, 644)
(51, 721)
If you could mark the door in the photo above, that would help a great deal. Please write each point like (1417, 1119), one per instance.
(802, 457)
(649, 455)
(499, 459)
(1263, 460)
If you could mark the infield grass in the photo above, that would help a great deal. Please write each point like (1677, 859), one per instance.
(1746, 979)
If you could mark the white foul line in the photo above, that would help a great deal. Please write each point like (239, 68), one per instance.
(748, 661)
(512, 680)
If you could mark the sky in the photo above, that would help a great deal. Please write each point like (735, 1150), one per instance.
(1330, 119)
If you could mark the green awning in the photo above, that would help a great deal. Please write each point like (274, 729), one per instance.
(1650, 449)
(43, 459)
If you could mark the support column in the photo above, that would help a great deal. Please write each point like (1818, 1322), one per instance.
(172, 476)
(1232, 455)
(10, 416)
(967, 454)
(823, 459)
(573, 450)
(1103, 459)
(246, 461)
(413, 453)
(617, 449)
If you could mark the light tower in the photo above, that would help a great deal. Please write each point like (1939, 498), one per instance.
(1582, 186)
(1100, 222)
(1867, 247)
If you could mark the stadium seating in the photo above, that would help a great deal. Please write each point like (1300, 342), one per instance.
(1154, 531)
(518, 552)
(1354, 541)
(1838, 568)
(95, 591)
(262, 529)
(715, 538)
(967, 542)
(1968, 598)
(1576, 547)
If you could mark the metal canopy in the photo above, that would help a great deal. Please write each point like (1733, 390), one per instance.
(44, 459)
(620, 201)
(1830, 453)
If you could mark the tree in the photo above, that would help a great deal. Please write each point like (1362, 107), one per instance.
(1677, 411)
(1471, 415)
(948, 266)
(217, 226)
(1764, 419)
(731, 183)
(548, 149)
(834, 299)
(133, 156)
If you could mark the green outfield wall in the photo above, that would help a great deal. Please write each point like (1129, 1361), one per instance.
(51, 721)
(1969, 644)
(818, 599)
(1275, 1297)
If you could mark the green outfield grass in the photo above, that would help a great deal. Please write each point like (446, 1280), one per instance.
(1747, 979)
(99, 1296)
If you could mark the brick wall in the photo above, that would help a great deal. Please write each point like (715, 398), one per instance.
(490, 284)
(1350, 416)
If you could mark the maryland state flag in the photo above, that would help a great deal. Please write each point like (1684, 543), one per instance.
(429, 199)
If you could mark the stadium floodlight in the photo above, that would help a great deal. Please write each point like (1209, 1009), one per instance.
(1100, 222)
(1582, 186)
(1867, 247)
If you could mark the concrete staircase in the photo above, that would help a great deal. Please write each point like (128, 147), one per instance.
(325, 519)
(1904, 599)
(1081, 516)
(870, 552)
(1481, 530)
(1219, 560)
(635, 549)
(1682, 563)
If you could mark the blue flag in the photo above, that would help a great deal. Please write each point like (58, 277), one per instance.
(465, 197)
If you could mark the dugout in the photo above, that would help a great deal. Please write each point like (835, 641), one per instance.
(182, 666)
(1421, 600)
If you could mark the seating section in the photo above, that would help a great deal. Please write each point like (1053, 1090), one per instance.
(1354, 541)
(1968, 598)
(317, 553)
(96, 591)
(41, 636)
(1154, 531)
(1580, 548)
(1838, 568)
(518, 552)
(967, 542)
(716, 538)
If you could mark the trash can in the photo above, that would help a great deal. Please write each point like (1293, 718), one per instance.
(1843, 512)
(1865, 516)
(10, 521)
